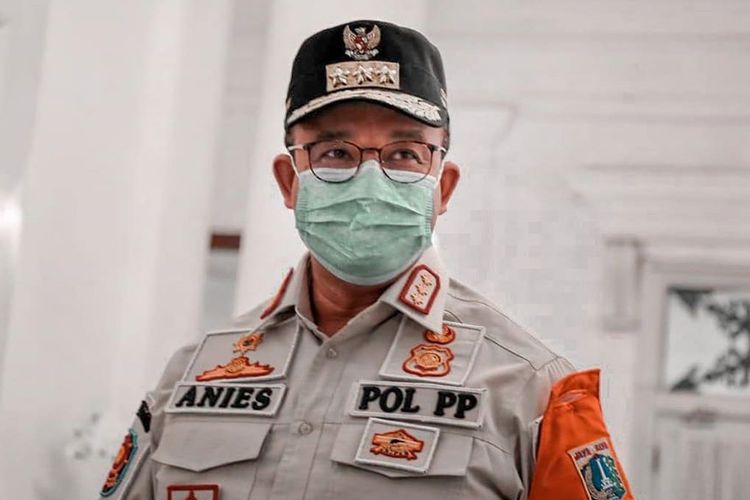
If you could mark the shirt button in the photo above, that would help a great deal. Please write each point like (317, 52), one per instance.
(305, 428)
(331, 353)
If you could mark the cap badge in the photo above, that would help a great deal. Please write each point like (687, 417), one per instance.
(239, 366)
(396, 444)
(360, 45)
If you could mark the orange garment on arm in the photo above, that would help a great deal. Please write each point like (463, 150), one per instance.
(575, 458)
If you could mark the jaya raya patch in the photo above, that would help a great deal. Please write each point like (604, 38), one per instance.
(597, 468)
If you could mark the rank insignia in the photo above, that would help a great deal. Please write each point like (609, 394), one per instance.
(213, 360)
(429, 361)
(360, 44)
(421, 289)
(239, 366)
(122, 462)
(352, 74)
(399, 445)
(396, 444)
(193, 492)
(597, 469)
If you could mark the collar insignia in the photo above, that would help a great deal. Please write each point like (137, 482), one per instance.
(360, 45)
(421, 289)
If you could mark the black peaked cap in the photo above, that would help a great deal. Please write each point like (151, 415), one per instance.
(371, 61)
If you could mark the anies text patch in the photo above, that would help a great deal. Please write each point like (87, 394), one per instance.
(241, 399)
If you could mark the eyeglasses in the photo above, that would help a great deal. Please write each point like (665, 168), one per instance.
(405, 162)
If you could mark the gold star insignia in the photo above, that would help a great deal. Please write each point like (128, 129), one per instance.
(363, 74)
(386, 74)
(339, 76)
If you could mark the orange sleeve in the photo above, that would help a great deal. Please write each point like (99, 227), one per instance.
(576, 459)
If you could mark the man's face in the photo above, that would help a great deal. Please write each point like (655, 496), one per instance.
(368, 126)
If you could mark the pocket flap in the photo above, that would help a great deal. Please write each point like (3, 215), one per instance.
(451, 457)
(199, 445)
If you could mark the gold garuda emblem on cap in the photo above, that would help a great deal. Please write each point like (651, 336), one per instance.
(360, 44)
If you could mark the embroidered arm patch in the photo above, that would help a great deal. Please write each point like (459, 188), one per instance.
(135, 447)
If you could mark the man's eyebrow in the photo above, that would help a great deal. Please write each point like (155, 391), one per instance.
(414, 134)
(325, 135)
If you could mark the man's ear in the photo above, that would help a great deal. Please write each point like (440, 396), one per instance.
(283, 172)
(448, 182)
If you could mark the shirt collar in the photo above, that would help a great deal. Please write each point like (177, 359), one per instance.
(420, 293)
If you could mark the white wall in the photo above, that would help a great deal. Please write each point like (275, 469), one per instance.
(116, 214)
(581, 123)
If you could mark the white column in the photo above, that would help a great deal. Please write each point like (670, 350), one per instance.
(116, 208)
(22, 25)
(269, 241)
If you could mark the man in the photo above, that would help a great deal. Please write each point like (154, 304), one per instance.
(370, 373)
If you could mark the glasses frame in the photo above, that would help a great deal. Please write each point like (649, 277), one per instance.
(308, 145)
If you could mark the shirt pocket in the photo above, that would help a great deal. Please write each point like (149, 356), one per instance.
(445, 475)
(209, 452)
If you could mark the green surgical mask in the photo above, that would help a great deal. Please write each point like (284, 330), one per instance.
(370, 229)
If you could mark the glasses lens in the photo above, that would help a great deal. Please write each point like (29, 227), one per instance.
(334, 161)
(406, 161)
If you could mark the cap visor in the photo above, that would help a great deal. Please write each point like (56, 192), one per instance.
(413, 106)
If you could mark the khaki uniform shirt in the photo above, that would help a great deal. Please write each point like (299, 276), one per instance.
(431, 392)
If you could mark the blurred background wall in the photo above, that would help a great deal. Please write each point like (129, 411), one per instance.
(605, 148)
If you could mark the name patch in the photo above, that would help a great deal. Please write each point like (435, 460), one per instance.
(421, 402)
(239, 399)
